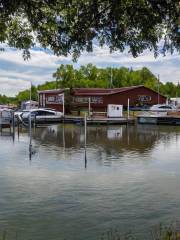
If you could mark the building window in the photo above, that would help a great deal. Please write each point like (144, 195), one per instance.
(144, 98)
(95, 100)
(81, 99)
(54, 99)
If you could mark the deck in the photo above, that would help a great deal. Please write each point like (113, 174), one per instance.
(98, 120)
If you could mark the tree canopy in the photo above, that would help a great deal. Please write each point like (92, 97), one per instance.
(72, 26)
(91, 76)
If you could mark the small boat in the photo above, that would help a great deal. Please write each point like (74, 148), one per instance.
(40, 115)
(162, 108)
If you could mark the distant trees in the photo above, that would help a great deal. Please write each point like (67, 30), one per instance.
(25, 95)
(91, 76)
(5, 100)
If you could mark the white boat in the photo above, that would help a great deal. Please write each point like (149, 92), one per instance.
(162, 108)
(40, 115)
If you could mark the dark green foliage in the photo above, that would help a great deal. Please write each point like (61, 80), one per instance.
(25, 95)
(71, 26)
(47, 85)
(91, 76)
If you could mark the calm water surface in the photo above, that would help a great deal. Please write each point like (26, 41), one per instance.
(131, 181)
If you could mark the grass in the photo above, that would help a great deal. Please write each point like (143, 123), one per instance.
(170, 232)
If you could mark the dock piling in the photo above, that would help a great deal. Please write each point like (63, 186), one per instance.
(34, 123)
(85, 140)
(128, 109)
(13, 126)
(1, 122)
(30, 137)
(18, 127)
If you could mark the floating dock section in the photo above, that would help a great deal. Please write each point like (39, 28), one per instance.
(99, 120)
(158, 119)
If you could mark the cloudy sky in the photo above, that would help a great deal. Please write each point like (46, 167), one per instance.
(16, 74)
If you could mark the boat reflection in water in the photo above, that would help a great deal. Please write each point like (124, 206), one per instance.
(104, 140)
(130, 183)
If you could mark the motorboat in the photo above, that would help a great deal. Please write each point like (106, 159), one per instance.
(162, 108)
(40, 115)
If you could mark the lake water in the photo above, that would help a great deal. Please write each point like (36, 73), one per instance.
(131, 183)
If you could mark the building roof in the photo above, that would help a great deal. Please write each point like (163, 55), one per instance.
(52, 91)
(101, 91)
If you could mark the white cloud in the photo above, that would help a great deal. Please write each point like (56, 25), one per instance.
(38, 58)
(166, 66)
(10, 87)
(15, 73)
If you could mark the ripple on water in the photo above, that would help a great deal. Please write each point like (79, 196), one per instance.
(130, 183)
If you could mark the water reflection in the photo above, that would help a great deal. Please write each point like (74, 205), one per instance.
(131, 181)
(115, 138)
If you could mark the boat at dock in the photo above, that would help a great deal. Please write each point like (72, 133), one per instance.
(165, 118)
(39, 116)
(160, 114)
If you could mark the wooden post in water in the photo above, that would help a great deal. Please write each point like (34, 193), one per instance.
(64, 140)
(10, 124)
(18, 126)
(85, 138)
(30, 126)
(34, 123)
(128, 110)
(13, 125)
(1, 121)
(30, 137)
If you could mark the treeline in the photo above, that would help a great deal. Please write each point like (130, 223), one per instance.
(6, 100)
(91, 76)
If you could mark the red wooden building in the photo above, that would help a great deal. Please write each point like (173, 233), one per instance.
(99, 98)
(51, 99)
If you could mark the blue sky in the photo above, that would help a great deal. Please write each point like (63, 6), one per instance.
(16, 74)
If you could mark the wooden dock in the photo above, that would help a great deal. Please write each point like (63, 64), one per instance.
(95, 120)
(98, 120)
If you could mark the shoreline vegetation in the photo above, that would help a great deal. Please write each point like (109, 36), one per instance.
(161, 232)
(66, 76)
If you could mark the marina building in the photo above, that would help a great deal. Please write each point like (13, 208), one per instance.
(51, 99)
(98, 99)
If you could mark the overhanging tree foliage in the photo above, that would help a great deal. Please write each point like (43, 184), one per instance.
(71, 26)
